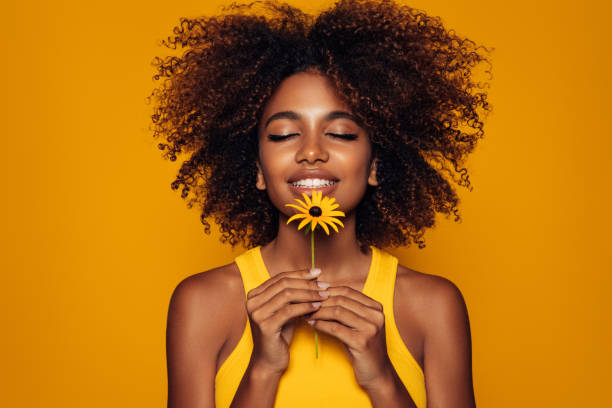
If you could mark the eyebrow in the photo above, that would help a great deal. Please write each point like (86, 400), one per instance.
(296, 116)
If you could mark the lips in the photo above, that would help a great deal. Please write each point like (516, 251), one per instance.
(311, 174)
(305, 181)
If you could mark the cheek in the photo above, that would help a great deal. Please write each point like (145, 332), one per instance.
(274, 162)
(356, 165)
(356, 162)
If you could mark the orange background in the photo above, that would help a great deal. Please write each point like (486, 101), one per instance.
(94, 240)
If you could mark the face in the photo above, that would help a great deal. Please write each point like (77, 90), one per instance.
(309, 139)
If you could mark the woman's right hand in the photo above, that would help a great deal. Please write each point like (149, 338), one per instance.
(272, 308)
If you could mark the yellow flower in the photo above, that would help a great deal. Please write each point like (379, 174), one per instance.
(317, 211)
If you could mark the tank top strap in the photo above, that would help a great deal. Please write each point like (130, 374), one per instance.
(252, 269)
(380, 284)
(253, 272)
(382, 288)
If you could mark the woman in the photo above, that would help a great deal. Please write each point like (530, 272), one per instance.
(365, 103)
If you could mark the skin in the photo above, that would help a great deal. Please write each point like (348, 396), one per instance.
(430, 311)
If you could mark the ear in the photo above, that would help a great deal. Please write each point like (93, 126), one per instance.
(260, 183)
(372, 180)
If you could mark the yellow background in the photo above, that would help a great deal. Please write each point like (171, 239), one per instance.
(94, 240)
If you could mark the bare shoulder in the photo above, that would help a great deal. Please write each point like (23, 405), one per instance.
(208, 294)
(211, 282)
(429, 298)
(203, 310)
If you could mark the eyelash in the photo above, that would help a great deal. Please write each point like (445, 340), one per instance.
(278, 138)
(345, 136)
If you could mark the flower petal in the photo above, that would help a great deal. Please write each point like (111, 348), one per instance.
(300, 209)
(337, 221)
(324, 226)
(301, 203)
(307, 200)
(331, 224)
(316, 198)
(328, 221)
(313, 198)
(304, 222)
(296, 217)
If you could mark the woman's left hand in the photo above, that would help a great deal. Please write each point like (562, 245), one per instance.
(357, 321)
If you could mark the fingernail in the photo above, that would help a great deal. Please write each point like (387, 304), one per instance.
(323, 285)
(310, 322)
(316, 304)
(315, 272)
(324, 293)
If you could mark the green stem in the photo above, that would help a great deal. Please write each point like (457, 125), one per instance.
(313, 265)
(312, 247)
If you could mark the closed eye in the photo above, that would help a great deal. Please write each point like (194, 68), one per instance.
(278, 138)
(345, 136)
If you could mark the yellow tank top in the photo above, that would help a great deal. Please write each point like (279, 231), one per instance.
(328, 381)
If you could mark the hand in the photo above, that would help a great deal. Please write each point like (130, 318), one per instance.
(357, 321)
(272, 308)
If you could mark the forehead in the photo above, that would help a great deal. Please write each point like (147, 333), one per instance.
(304, 92)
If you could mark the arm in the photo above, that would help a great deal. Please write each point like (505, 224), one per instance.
(390, 392)
(194, 336)
(448, 349)
(257, 388)
(203, 310)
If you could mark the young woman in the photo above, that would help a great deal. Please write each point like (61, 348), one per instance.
(370, 103)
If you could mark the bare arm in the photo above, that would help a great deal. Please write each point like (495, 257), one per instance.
(257, 389)
(448, 349)
(196, 329)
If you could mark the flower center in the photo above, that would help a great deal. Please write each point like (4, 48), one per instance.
(315, 211)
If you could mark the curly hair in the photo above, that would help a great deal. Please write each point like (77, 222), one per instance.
(406, 78)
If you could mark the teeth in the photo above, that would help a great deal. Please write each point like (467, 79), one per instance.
(313, 183)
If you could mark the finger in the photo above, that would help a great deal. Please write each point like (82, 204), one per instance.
(372, 315)
(286, 297)
(307, 274)
(285, 285)
(275, 322)
(344, 316)
(355, 295)
(345, 334)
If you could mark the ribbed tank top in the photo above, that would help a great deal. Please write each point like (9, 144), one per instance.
(328, 381)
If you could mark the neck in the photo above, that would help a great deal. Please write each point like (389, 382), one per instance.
(338, 255)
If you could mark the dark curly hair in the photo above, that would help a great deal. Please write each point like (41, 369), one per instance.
(406, 78)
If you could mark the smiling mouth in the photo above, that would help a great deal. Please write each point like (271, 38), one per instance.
(313, 183)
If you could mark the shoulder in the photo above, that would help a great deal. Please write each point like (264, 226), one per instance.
(435, 302)
(437, 307)
(205, 299)
(226, 277)
(201, 310)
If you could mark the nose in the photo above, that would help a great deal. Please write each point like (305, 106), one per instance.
(312, 150)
